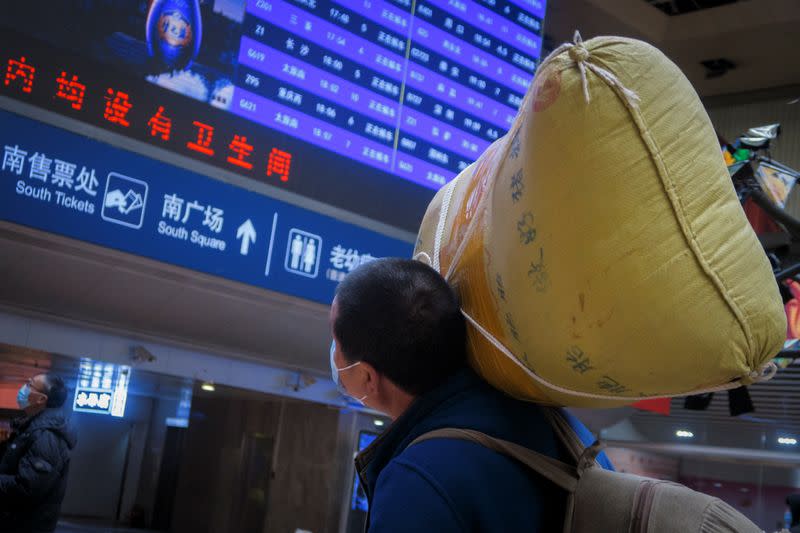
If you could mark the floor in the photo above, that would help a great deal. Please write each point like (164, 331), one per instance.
(79, 526)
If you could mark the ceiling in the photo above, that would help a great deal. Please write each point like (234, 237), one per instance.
(66, 279)
(680, 7)
(759, 37)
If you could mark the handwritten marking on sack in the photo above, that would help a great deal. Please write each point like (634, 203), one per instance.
(515, 146)
(546, 87)
(501, 289)
(612, 385)
(527, 232)
(580, 361)
(538, 273)
(511, 326)
(517, 186)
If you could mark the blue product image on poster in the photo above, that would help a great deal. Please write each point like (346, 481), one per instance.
(174, 32)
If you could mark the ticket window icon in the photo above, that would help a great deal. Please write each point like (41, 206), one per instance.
(303, 253)
(124, 201)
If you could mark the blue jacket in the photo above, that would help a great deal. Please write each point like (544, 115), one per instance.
(448, 485)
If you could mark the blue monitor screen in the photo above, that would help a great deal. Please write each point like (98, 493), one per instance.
(359, 500)
(349, 102)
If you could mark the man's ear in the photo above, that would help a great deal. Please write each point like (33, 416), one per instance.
(37, 398)
(373, 378)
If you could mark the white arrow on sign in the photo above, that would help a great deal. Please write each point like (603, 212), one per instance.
(247, 233)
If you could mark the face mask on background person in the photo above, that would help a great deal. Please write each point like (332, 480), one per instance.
(23, 396)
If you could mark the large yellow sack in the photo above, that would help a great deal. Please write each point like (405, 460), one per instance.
(599, 248)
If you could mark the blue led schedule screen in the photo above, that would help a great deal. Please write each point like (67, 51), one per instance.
(418, 95)
(351, 102)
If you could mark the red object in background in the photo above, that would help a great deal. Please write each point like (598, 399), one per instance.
(659, 405)
(205, 134)
(116, 111)
(160, 125)
(242, 150)
(279, 163)
(117, 106)
(70, 90)
(8, 395)
(23, 71)
(793, 311)
(759, 219)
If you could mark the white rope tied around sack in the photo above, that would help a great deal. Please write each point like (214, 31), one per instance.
(765, 373)
(423, 257)
(440, 227)
(580, 55)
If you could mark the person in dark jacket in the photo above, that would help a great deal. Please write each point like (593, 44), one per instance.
(34, 461)
(400, 348)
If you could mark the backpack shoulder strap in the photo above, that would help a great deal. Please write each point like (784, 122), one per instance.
(563, 475)
(565, 432)
(584, 456)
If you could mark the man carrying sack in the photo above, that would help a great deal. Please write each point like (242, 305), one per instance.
(400, 348)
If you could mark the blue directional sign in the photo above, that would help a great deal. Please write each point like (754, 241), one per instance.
(64, 183)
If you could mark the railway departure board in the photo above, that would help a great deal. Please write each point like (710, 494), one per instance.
(368, 105)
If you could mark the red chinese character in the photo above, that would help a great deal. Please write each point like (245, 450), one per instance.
(242, 150)
(71, 90)
(279, 163)
(204, 135)
(117, 107)
(19, 69)
(160, 124)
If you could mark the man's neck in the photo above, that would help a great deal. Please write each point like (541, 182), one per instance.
(32, 412)
(399, 403)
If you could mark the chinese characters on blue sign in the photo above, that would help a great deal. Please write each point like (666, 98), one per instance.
(66, 184)
(102, 388)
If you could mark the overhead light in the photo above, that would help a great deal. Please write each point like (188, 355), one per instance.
(717, 485)
(787, 441)
(208, 386)
(378, 422)
(177, 422)
(684, 434)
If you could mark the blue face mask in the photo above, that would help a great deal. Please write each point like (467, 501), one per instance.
(23, 396)
(335, 375)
